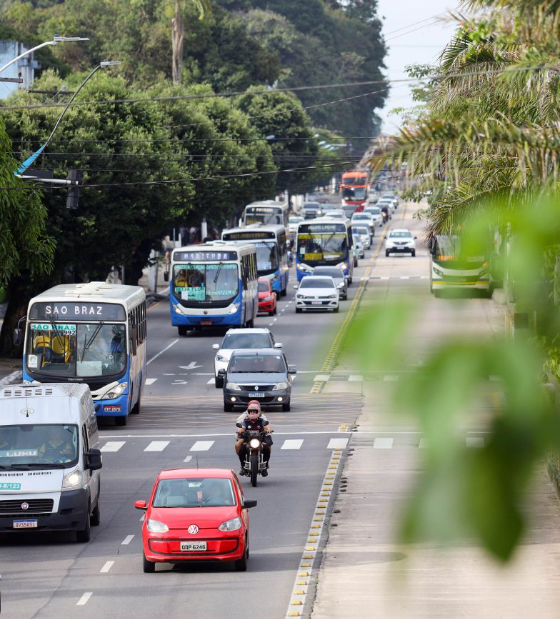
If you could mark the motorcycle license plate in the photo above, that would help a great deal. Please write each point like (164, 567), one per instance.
(256, 394)
(24, 524)
(194, 546)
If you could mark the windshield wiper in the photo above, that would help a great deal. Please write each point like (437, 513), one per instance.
(41, 465)
(88, 343)
(218, 271)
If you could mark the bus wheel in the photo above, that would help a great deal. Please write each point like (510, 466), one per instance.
(121, 420)
(136, 409)
(182, 329)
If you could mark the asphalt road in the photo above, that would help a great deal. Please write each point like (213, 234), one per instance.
(51, 576)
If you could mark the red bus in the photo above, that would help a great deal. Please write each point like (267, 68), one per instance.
(354, 189)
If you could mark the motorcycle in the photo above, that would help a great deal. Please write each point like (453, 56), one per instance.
(385, 216)
(255, 465)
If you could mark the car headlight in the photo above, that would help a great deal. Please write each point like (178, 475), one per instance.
(333, 296)
(255, 443)
(156, 526)
(221, 358)
(72, 479)
(268, 298)
(300, 296)
(340, 285)
(231, 525)
(234, 308)
(280, 386)
(304, 267)
(233, 386)
(343, 265)
(438, 272)
(115, 392)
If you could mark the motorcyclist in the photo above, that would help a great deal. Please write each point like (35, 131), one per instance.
(252, 420)
(385, 214)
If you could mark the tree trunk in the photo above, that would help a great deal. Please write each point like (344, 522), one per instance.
(17, 307)
(177, 38)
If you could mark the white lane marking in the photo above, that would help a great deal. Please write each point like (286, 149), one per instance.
(384, 278)
(202, 446)
(423, 443)
(107, 566)
(150, 381)
(156, 446)
(162, 351)
(191, 366)
(274, 320)
(333, 431)
(292, 444)
(390, 378)
(405, 277)
(179, 382)
(188, 459)
(322, 378)
(128, 539)
(383, 443)
(85, 598)
(113, 446)
(356, 378)
(475, 442)
(142, 518)
(169, 374)
(212, 381)
(337, 443)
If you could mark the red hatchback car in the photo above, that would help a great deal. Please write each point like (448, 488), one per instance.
(267, 297)
(194, 515)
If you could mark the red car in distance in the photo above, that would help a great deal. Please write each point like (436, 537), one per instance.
(267, 297)
(196, 515)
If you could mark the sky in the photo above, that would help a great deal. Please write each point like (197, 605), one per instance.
(411, 40)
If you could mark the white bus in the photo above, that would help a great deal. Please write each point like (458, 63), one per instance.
(213, 285)
(91, 333)
(266, 212)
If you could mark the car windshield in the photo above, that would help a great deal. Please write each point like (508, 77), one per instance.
(315, 283)
(333, 273)
(361, 216)
(263, 287)
(374, 210)
(362, 230)
(247, 341)
(205, 282)
(267, 256)
(194, 493)
(257, 363)
(30, 446)
(76, 349)
(400, 233)
(295, 220)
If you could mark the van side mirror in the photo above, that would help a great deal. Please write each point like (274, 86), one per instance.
(17, 337)
(141, 504)
(278, 345)
(93, 459)
(292, 370)
(249, 503)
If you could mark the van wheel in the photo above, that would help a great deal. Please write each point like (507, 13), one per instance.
(218, 381)
(83, 536)
(96, 515)
(149, 567)
(298, 310)
(228, 407)
(121, 420)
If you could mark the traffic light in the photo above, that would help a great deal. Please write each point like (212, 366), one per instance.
(76, 177)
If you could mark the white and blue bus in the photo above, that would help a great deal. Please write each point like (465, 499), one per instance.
(91, 333)
(272, 252)
(266, 212)
(324, 241)
(213, 284)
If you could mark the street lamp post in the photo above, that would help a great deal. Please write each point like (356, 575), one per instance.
(27, 163)
(55, 41)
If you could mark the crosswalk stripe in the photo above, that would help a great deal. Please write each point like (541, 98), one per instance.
(337, 443)
(292, 444)
(383, 443)
(188, 459)
(391, 378)
(475, 442)
(356, 378)
(212, 381)
(150, 381)
(405, 278)
(322, 377)
(113, 446)
(156, 446)
(202, 446)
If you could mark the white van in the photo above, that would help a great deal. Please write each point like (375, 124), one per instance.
(49, 459)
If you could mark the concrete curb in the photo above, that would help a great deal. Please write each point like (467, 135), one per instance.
(13, 377)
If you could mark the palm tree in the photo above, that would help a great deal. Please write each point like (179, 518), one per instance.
(178, 33)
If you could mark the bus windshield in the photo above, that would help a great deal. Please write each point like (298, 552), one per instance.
(322, 246)
(76, 349)
(354, 193)
(41, 445)
(267, 257)
(205, 282)
(272, 217)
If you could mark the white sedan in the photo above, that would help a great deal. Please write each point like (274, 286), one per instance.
(400, 240)
(317, 293)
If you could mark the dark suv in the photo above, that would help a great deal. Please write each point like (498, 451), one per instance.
(258, 374)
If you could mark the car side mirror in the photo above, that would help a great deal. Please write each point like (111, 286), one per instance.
(222, 372)
(416, 237)
(216, 347)
(141, 504)
(17, 337)
(278, 345)
(296, 286)
(249, 503)
(292, 370)
(93, 459)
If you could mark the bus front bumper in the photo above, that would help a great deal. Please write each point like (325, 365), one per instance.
(111, 407)
(228, 316)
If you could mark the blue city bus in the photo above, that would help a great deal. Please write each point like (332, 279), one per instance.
(266, 212)
(91, 333)
(272, 252)
(213, 285)
(324, 241)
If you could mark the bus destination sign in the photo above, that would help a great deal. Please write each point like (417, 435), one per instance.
(76, 311)
(247, 235)
(194, 257)
(263, 209)
(321, 228)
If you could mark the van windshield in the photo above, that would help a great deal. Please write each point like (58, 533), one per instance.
(44, 446)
